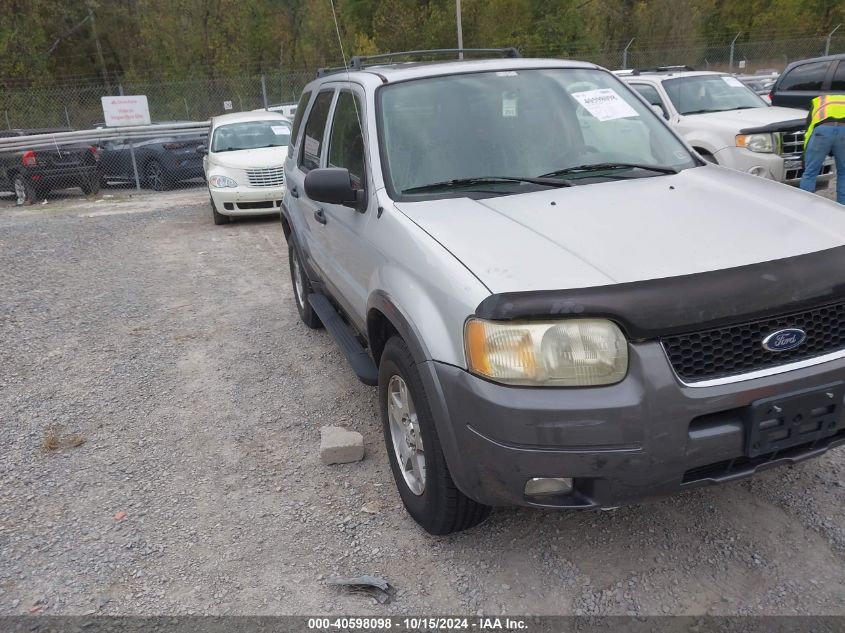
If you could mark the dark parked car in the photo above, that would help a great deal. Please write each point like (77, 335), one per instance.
(31, 173)
(161, 160)
(809, 78)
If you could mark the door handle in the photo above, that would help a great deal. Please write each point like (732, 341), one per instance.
(294, 192)
(320, 216)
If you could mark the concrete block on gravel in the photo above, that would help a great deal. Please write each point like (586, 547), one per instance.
(340, 446)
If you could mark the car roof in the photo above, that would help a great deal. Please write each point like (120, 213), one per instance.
(810, 60)
(671, 74)
(245, 117)
(394, 72)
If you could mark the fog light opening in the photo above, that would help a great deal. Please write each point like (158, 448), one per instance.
(542, 486)
(758, 170)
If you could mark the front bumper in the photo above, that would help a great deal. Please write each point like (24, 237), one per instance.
(248, 200)
(787, 169)
(646, 436)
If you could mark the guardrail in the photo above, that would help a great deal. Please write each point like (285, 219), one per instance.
(52, 139)
(127, 135)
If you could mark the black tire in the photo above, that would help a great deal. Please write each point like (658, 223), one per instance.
(92, 186)
(301, 289)
(219, 218)
(25, 192)
(441, 508)
(155, 176)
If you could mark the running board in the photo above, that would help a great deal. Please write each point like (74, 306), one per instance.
(362, 364)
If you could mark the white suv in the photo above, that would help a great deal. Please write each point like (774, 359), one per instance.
(727, 123)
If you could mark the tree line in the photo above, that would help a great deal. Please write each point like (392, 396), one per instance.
(44, 42)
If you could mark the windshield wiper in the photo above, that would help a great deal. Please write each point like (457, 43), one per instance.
(485, 180)
(660, 169)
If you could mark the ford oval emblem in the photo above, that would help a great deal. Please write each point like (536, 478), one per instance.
(784, 340)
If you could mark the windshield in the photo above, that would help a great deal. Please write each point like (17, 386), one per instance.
(710, 93)
(461, 129)
(250, 135)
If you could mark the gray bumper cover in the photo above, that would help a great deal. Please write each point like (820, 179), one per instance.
(646, 436)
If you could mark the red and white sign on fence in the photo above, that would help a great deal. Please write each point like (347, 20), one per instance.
(126, 110)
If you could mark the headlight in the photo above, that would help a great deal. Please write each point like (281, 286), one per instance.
(221, 182)
(567, 353)
(764, 143)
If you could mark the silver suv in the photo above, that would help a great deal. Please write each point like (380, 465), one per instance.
(561, 304)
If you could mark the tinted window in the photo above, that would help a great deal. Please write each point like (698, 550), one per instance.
(805, 77)
(839, 77)
(346, 145)
(299, 109)
(315, 129)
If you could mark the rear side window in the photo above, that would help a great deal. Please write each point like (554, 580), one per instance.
(650, 94)
(297, 120)
(346, 145)
(839, 77)
(315, 129)
(807, 77)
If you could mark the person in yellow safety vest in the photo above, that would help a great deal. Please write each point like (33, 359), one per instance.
(825, 135)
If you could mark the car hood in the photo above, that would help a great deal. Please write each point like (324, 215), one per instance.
(250, 158)
(705, 218)
(736, 120)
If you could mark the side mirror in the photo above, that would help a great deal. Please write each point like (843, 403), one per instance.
(333, 185)
(202, 149)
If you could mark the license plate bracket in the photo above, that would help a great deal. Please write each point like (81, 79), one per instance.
(778, 423)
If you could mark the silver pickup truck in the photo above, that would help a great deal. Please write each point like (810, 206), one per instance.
(562, 304)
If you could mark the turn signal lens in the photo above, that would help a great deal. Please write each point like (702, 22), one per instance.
(569, 353)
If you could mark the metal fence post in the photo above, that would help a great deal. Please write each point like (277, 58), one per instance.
(264, 90)
(132, 152)
(733, 43)
(8, 124)
(625, 55)
(827, 40)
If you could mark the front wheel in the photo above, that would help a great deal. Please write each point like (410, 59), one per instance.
(219, 218)
(413, 447)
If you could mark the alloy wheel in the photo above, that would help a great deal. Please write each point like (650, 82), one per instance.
(405, 434)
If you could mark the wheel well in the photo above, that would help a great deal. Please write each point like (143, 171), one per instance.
(286, 227)
(379, 331)
(704, 152)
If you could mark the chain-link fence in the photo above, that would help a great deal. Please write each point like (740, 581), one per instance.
(157, 160)
(162, 160)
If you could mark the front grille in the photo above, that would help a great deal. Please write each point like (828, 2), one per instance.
(266, 177)
(792, 143)
(792, 150)
(738, 349)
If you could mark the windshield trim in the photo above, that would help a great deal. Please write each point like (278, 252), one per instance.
(397, 196)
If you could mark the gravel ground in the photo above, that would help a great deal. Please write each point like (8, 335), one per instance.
(171, 349)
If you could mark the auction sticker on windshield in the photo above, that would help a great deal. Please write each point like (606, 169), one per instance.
(604, 104)
(279, 130)
(732, 81)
